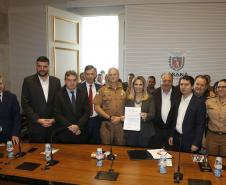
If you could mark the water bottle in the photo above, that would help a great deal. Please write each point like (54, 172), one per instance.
(218, 167)
(162, 164)
(99, 157)
(48, 152)
(10, 149)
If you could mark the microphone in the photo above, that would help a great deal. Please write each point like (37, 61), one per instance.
(205, 165)
(20, 153)
(111, 156)
(52, 162)
(178, 176)
(109, 175)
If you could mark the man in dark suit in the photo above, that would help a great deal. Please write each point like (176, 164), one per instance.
(189, 122)
(72, 111)
(201, 87)
(151, 81)
(37, 99)
(127, 85)
(165, 98)
(10, 119)
(90, 88)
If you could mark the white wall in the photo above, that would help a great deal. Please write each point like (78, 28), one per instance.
(4, 42)
(153, 32)
(28, 40)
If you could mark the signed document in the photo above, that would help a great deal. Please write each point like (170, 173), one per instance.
(132, 118)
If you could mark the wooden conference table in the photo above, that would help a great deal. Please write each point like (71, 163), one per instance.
(77, 167)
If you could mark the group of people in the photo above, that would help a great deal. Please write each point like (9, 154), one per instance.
(185, 117)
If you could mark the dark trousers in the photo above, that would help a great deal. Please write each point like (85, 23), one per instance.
(67, 137)
(135, 139)
(179, 143)
(94, 130)
(160, 139)
(39, 134)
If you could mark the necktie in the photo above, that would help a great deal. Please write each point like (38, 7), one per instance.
(73, 100)
(0, 98)
(91, 100)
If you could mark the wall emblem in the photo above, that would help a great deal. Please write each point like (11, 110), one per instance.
(176, 62)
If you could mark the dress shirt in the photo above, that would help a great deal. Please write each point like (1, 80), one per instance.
(70, 95)
(1, 95)
(166, 105)
(182, 111)
(45, 86)
(94, 94)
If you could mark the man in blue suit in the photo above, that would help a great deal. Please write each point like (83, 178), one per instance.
(90, 88)
(10, 119)
(189, 122)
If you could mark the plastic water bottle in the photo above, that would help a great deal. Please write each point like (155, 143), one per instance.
(99, 157)
(10, 149)
(218, 167)
(162, 164)
(48, 152)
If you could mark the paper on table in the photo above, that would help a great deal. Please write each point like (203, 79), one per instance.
(169, 162)
(198, 158)
(54, 151)
(156, 153)
(132, 118)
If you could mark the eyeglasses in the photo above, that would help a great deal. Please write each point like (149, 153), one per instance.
(221, 87)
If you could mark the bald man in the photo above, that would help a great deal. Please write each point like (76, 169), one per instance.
(109, 104)
(165, 98)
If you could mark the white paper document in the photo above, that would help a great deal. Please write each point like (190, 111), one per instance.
(132, 118)
(53, 151)
(198, 158)
(156, 153)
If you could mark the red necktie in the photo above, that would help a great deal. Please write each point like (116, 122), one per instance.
(91, 100)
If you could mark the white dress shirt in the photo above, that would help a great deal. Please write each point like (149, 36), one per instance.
(166, 105)
(45, 86)
(1, 95)
(69, 92)
(94, 91)
(182, 111)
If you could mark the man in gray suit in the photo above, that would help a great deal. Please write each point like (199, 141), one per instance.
(37, 98)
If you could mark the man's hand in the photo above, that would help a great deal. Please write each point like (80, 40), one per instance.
(46, 122)
(170, 141)
(15, 140)
(143, 115)
(75, 129)
(115, 119)
(194, 148)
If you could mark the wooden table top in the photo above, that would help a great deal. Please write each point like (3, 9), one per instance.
(77, 167)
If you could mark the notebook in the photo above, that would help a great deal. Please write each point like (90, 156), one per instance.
(139, 155)
(199, 182)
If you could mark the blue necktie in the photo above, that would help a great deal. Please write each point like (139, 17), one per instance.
(73, 100)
